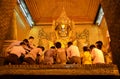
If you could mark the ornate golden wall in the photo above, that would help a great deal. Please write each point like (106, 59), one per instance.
(45, 35)
(80, 34)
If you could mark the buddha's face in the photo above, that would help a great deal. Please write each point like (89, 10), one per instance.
(63, 30)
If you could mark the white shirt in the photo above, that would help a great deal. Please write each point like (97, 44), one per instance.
(17, 50)
(33, 53)
(73, 51)
(16, 43)
(97, 56)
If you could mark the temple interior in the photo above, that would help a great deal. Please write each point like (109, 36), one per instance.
(83, 26)
(81, 21)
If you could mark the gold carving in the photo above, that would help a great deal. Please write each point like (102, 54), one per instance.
(63, 25)
(63, 28)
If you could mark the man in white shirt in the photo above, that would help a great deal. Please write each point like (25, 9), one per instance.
(15, 54)
(73, 54)
(17, 43)
(97, 54)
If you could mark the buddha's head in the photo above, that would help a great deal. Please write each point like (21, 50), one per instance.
(63, 30)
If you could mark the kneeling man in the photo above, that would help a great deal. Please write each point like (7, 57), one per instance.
(31, 57)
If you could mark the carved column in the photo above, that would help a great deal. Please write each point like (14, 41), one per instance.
(6, 13)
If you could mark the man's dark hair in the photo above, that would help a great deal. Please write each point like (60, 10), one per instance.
(58, 45)
(41, 47)
(99, 44)
(26, 41)
(53, 47)
(92, 46)
(85, 48)
(69, 44)
(31, 37)
(22, 43)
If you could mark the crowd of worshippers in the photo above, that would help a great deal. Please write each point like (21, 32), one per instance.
(25, 52)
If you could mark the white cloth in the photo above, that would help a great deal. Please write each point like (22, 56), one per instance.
(16, 43)
(97, 56)
(17, 50)
(33, 53)
(73, 51)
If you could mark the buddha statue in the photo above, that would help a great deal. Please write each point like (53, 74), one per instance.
(63, 29)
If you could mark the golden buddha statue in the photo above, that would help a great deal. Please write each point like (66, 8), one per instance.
(63, 29)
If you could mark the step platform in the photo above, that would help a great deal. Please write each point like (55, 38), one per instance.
(58, 69)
